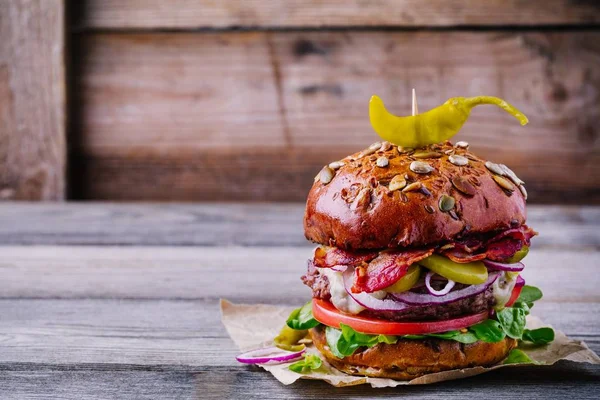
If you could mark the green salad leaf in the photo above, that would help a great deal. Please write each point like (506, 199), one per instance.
(462, 337)
(509, 321)
(539, 336)
(415, 337)
(387, 339)
(302, 318)
(309, 363)
(512, 320)
(345, 341)
(334, 339)
(529, 294)
(489, 331)
(517, 356)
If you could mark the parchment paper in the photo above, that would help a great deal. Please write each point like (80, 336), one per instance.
(254, 326)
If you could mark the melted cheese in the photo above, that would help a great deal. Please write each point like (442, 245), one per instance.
(339, 297)
(502, 289)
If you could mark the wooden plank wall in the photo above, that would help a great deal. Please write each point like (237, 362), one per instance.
(32, 100)
(166, 108)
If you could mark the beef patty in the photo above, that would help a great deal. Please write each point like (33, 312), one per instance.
(471, 305)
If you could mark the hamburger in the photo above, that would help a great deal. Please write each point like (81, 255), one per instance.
(417, 265)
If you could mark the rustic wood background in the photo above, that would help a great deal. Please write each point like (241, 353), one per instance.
(245, 100)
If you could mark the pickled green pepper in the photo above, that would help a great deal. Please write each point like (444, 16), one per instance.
(433, 126)
(288, 339)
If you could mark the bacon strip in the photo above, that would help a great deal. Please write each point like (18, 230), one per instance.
(377, 270)
(498, 248)
(462, 256)
(327, 257)
(523, 233)
(386, 269)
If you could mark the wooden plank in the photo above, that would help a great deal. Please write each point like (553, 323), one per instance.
(317, 13)
(99, 381)
(182, 174)
(147, 321)
(35, 381)
(170, 116)
(32, 100)
(239, 274)
(218, 224)
(178, 87)
(170, 332)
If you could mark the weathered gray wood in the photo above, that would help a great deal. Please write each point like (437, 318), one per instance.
(159, 305)
(143, 321)
(35, 381)
(211, 224)
(241, 274)
(101, 381)
(173, 332)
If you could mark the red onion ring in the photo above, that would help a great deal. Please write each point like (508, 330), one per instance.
(496, 266)
(520, 281)
(269, 355)
(339, 268)
(449, 285)
(421, 282)
(419, 299)
(368, 301)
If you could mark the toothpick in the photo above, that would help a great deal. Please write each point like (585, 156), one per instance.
(415, 108)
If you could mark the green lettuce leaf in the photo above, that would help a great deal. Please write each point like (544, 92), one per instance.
(309, 363)
(512, 320)
(302, 318)
(529, 294)
(334, 337)
(489, 331)
(539, 336)
(517, 356)
(345, 341)
(387, 339)
(466, 337)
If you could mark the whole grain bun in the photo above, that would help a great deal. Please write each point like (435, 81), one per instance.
(409, 359)
(356, 209)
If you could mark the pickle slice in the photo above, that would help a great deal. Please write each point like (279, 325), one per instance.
(288, 339)
(472, 273)
(407, 281)
(518, 256)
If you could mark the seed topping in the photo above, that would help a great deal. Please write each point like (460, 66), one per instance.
(362, 200)
(420, 167)
(458, 160)
(413, 187)
(326, 175)
(336, 165)
(523, 191)
(504, 183)
(495, 168)
(511, 175)
(398, 182)
(426, 154)
(446, 203)
(382, 162)
(463, 186)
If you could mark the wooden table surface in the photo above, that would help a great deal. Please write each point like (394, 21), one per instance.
(121, 301)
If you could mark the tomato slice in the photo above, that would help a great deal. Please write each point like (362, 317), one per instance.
(327, 314)
(514, 296)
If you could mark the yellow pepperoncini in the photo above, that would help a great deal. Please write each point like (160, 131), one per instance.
(433, 126)
(288, 339)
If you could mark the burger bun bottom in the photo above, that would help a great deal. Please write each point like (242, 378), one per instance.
(408, 359)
